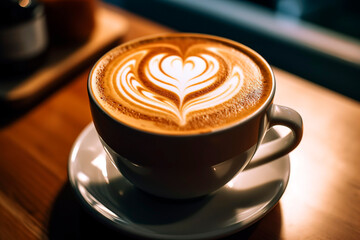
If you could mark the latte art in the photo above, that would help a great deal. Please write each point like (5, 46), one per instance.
(180, 77)
(179, 84)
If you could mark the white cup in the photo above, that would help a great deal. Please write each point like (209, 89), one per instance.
(188, 166)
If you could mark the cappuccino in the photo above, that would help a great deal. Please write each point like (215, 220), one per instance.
(181, 83)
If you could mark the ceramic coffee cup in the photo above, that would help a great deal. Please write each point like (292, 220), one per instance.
(190, 159)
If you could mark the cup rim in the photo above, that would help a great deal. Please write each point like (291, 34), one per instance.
(249, 117)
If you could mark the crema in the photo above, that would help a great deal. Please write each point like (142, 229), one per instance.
(181, 83)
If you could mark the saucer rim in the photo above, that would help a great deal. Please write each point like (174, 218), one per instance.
(130, 231)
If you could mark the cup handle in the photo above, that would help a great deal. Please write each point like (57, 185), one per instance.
(279, 115)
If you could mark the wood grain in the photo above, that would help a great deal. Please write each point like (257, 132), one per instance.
(320, 202)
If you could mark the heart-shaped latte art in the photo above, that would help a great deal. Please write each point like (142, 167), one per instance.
(168, 75)
(182, 77)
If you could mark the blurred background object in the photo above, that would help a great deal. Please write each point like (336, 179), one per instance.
(73, 35)
(70, 21)
(317, 40)
(23, 35)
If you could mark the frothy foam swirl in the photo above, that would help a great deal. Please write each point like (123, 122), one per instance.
(178, 85)
(179, 77)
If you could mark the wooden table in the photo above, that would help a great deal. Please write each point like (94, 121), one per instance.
(322, 200)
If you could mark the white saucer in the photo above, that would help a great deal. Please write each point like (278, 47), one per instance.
(111, 198)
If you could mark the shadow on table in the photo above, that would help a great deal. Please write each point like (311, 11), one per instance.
(69, 220)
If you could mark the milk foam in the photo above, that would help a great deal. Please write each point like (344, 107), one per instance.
(179, 84)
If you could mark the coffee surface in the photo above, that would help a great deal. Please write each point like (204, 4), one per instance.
(181, 83)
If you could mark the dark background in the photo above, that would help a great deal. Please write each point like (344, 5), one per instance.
(339, 19)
